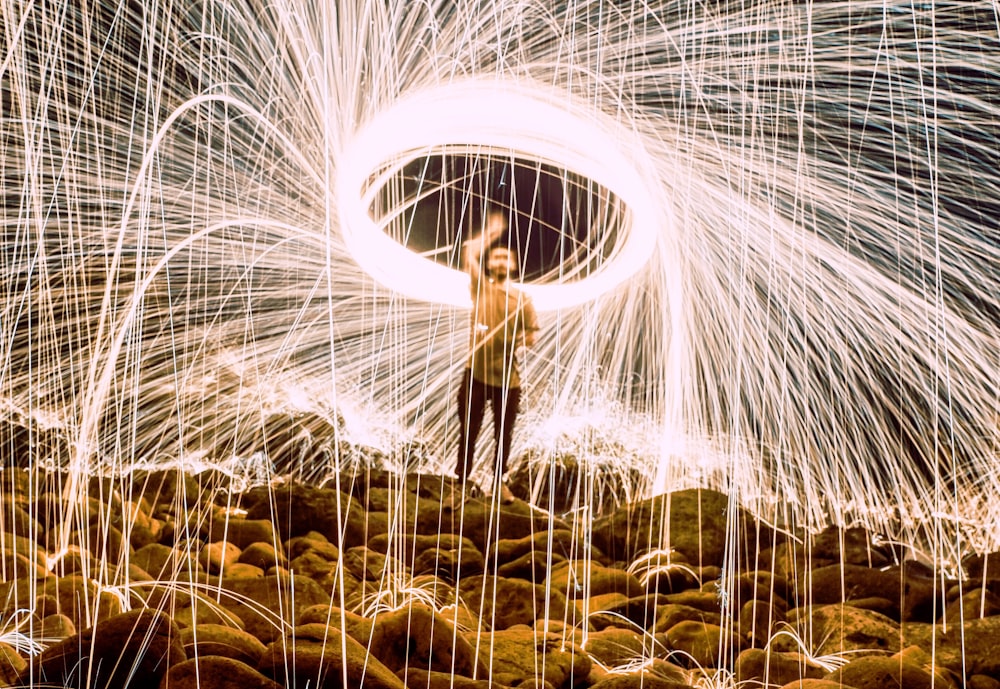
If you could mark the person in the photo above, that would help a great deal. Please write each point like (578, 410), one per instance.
(503, 321)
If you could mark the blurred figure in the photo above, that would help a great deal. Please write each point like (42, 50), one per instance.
(503, 321)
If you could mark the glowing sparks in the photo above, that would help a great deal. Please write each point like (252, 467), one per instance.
(801, 300)
(506, 117)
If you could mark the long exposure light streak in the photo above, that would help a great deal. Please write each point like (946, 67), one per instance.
(802, 312)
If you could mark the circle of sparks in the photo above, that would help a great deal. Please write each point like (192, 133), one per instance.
(501, 120)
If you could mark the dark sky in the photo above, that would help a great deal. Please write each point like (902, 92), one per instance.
(556, 218)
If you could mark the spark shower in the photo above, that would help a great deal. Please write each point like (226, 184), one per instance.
(787, 288)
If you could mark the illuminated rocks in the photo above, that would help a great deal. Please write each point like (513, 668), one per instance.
(215, 672)
(128, 650)
(775, 668)
(697, 519)
(489, 597)
(221, 640)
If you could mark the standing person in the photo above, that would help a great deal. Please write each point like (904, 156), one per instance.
(503, 320)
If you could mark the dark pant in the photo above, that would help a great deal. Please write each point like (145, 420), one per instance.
(472, 397)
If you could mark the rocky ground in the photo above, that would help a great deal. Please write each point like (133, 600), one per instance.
(172, 580)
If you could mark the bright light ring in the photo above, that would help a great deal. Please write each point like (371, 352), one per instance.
(500, 118)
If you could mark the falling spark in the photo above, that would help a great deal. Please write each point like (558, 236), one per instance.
(800, 307)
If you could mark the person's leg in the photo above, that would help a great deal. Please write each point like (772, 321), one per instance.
(471, 405)
(505, 404)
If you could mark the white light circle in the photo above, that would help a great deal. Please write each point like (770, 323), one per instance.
(492, 117)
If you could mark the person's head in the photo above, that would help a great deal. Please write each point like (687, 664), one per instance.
(501, 263)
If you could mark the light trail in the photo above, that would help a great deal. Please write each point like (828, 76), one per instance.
(801, 309)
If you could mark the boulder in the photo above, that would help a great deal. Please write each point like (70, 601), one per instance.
(877, 672)
(693, 522)
(133, 649)
(300, 662)
(215, 672)
(507, 602)
(517, 656)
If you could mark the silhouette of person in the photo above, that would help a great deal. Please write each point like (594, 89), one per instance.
(503, 321)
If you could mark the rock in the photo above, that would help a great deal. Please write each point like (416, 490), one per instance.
(12, 664)
(693, 522)
(45, 605)
(851, 546)
(641, 611)
(263, 555)
(371, 565)
(613, 647)
(243, 570)
(221, 640)
(254, 599)
(966, 649)
(314, 565)
(674, 613)
(17, 566)
(943, 678)
(103, 541)
(168, 487)
(663, 669)
(562, 543)
(241, 532)
(163, 562)
(973, 605)
(637, 680)
(883, 606)
(217, 556)
(80, 600)
(708, 601)
(206, 612)
(837, 583)
(532, 566)
(56, 626)
(516, 656)
(300, 509)
(357, 627)
(755, 665)
(758, 620)
(581, 578)
(789, 560)
(481, 521)
(416, 678)
(560, 483)
(133, 649)
(700, 643)
(215, 672)
(18, 520)
(672, 578)
(414, 544)
(876, 672)
(506, 602)
(452, 564)
(419, 637)
(22, 545)
(315, 542)
(846, 629)
(816, 684)
(982, 565)
(296, 662)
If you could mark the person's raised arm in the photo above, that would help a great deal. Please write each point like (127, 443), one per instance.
(473, 248)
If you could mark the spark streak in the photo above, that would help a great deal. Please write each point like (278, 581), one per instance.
(804, 313)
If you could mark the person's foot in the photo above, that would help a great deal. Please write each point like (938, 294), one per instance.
(506, 496)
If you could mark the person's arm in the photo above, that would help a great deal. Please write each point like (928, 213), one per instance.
(530, 325)
(473, 248)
